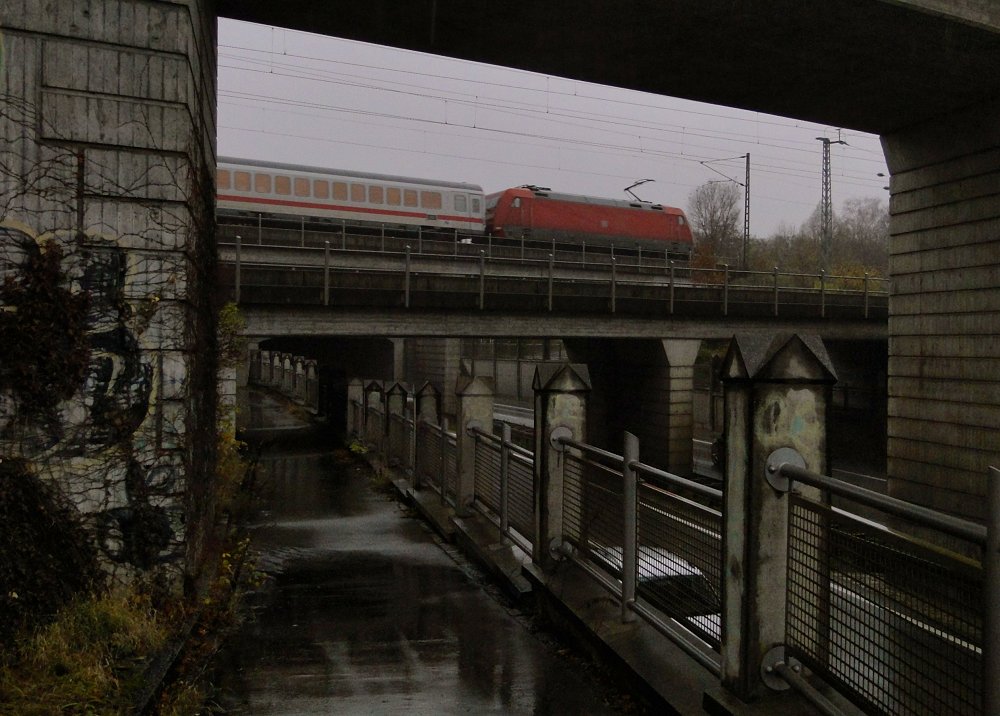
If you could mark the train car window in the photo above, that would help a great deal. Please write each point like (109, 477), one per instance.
(393, 196)
(461, 204)
(409, 197)
(375, 195)
(430, 200)
(301, 186)
(222, 179)
(340, 190)
(262, 183)
(475, 205)
(282, 185)
(321, 188)
(358, 192)
(241, 180)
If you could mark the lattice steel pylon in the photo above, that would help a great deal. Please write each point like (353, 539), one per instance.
(826, 204)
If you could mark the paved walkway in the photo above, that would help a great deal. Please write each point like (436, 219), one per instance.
(366, 613)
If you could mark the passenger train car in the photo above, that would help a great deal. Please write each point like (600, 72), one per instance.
(537, 213)
(248, 188)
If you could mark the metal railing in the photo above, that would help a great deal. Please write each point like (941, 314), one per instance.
(891, 620)
(504, 480)
(647, 536)
(328, 275)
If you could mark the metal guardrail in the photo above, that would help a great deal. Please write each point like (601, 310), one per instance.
(642, 532)
(504, 477)
(894, 622)
(321, 276)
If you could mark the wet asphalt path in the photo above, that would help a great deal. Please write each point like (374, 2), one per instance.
(365, 612)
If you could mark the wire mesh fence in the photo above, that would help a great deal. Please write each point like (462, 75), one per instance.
(450, 457)
(487, 473)
(429, 455)
(892, 621)
(521, 493)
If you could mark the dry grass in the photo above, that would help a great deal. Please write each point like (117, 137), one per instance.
(89, 660)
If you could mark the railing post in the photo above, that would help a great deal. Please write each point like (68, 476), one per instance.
(326, 273)
(775, 290)
(504, 478)
(630, 490)
(420, 239)
(640, 256)
(489, 244)
(560, 411)
(822, 293)
(343, 234)
(583, 254)
(455, 244)
(482, 279)
(303, 229)
(725, 290)
(777, 393)
(406, 280)
(866, 294)
(239, 255)
(443, 476)
(383, 236)
(475, 410)
(552, 268)
(671, 287)
(614, 282)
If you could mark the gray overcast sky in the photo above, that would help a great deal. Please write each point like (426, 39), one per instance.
(308, 99)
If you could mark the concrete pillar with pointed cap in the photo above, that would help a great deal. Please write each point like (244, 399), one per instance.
(560, 409)
(777, 393)
(475, 410)
(428, 402)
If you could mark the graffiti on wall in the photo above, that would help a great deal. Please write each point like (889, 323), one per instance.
(105, 447)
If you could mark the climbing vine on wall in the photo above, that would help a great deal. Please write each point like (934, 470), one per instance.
(44, 348)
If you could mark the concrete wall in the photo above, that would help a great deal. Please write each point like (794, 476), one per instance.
(944, 345)
(438, 361)
(107, 140)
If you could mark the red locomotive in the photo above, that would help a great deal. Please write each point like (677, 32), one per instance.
(537, 213)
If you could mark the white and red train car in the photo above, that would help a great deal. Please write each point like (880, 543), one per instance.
(248, 188)
(537, 213)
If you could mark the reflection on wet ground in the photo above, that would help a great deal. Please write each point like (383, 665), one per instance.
(366, 613)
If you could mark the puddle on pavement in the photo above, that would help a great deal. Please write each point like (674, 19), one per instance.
(365, 613)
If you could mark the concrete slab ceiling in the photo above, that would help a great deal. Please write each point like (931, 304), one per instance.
(872, 65)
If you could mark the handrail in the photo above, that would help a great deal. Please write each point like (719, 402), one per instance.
(520, 451)
(679, 481)
(583, 447)
(954, 526)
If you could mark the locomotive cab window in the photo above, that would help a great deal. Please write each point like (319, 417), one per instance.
(241, 180)
(222, 179)
(680, 220)
(282, 185)
(262, 183)
(516, 204)
(301, 186)
(461, 205)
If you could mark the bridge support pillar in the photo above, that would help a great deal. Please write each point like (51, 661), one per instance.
(475, 410)
(679, 393)
(561, 408)
(776, 396)
(428, 404)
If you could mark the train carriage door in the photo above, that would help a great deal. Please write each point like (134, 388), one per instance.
(461, 207)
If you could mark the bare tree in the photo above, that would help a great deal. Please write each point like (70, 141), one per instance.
(714, 210)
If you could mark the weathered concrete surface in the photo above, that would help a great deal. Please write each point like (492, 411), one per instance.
(107, 143)
(876, 65)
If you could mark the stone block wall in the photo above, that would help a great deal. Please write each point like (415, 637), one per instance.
(944, 325)
(107, 148)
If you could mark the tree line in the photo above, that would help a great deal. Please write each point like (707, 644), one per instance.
(859, 244)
